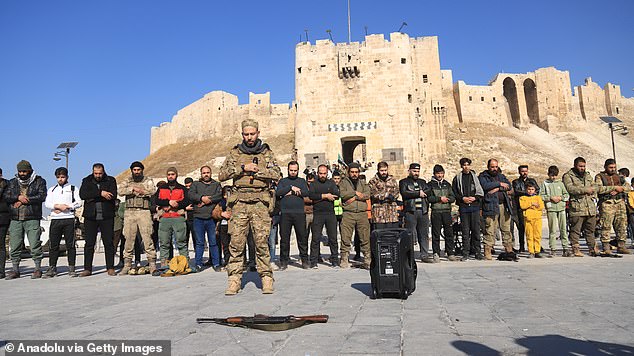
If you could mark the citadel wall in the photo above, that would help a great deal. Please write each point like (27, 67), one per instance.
(389, 100)
(218, 115)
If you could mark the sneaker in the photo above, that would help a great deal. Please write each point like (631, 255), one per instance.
(551, 254)
(36, 274)
(538, 255)
(282, 266)
(436, 258)
(567, 253)
(314, 266)
(50, 273)
(479, 256)
(465, 258)
(357, 257)
(217, 268)
(530, 255)
(427, 260)
(453, 258)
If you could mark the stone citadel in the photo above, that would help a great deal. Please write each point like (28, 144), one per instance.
(389, 100)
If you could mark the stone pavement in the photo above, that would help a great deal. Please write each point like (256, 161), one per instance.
(560, 306)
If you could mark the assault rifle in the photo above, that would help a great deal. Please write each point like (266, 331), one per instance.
(265, 322)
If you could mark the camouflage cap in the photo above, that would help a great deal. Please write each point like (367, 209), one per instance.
(250, 123)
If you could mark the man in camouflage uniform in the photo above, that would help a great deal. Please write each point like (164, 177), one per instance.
(583, 209)
(251, 164)
(138, 191)
(613, 212)
(383, 194)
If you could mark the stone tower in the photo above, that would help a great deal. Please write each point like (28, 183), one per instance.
(374, 101)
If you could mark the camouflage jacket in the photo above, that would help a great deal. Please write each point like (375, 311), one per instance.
(582, 203)
(383, 195)
(136, 200)
(611, 181)
(247, 186)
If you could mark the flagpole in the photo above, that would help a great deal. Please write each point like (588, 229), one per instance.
(349, 37)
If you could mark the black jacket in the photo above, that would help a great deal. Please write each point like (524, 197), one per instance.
(410, 193)
(519, 190)
(36, 192)
(5, 213)
(90, 193)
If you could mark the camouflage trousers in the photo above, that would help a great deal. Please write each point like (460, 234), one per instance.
(256, 217)
(613, 214)
(138, 221)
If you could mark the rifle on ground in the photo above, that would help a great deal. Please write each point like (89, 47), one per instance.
(265, 322)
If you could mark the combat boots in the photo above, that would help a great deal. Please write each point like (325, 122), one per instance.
(127, 265)
(344, 263)
(487, 253)
(153, 270)
(607, 249)
(267, 285)
(576, 252)
(594, 250)
(622, 249)
(15, 273)
(234, 287)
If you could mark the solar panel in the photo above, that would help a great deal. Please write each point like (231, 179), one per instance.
(67, 145)
(610, 119)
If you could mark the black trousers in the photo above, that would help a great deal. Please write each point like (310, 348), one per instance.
(418, 224)
(330, 221)
(189, 232)
(520, 229)
(442, 221)
(297, 221)
(91, 227)
(224, 239)
(59, 227)
(470, 223)
(3, 249)
(249, 249)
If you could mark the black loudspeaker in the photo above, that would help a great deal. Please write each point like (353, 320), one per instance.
(393, 269)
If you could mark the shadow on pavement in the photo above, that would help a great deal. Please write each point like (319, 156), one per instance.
(251, 277)
(473, 348)
(561, 345)
(365, 288)
(550, 345)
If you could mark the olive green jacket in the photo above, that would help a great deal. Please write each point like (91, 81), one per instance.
(582, 203)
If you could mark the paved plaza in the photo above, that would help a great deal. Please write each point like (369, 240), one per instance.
(560, 306)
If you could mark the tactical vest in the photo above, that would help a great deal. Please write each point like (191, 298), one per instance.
(248, 182)
(135, 202)
(614, 180)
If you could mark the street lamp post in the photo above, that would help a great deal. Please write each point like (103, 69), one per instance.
(614, 124)
(65, 151)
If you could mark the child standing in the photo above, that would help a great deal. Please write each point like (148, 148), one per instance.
(532, 205)
(555, 195)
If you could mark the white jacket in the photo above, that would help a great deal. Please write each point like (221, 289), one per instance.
(63, 195)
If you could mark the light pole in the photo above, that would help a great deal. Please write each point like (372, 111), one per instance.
(65, 151)
(614, 124)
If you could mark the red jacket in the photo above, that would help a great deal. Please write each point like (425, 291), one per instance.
(166, 193)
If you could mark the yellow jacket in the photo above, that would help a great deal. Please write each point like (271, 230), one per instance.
(531, 212)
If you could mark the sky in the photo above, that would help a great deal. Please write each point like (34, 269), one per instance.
(102, 73)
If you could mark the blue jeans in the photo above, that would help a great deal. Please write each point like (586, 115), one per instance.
(202, 226)
(275, 222)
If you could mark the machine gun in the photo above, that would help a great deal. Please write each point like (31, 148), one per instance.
(265, 322)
